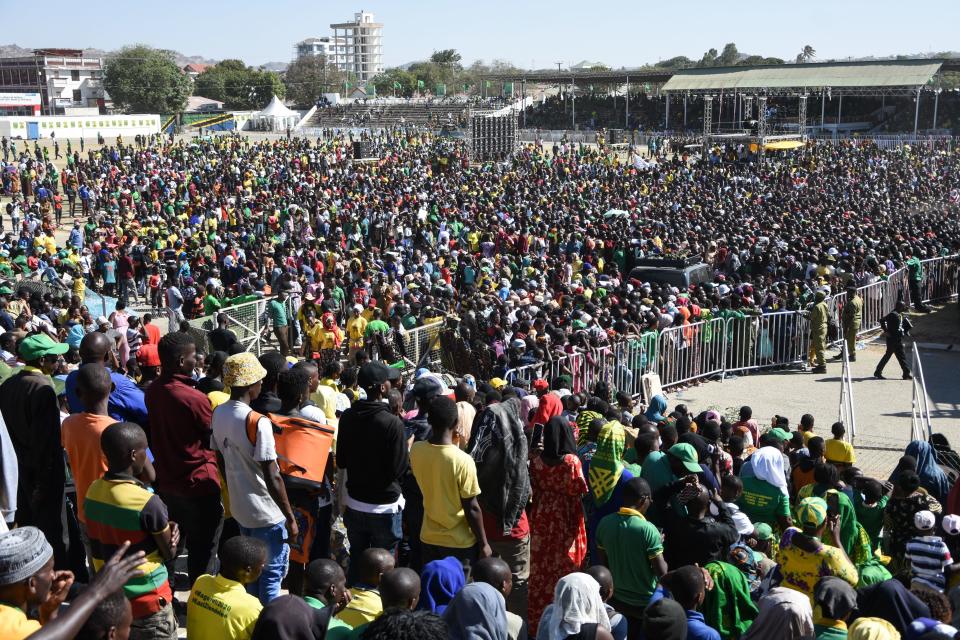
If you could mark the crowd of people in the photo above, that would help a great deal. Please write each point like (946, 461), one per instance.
(390, 501)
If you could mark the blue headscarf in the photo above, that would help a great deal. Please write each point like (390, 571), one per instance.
(441, 580)
(654, 412)
(932, 478)
(478, 612)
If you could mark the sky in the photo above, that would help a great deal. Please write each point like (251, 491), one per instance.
(528, 34)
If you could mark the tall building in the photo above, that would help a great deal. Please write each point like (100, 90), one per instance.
(363, 46)
(63, 78)
(325, 46)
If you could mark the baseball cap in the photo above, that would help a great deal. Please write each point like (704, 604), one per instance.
(498, 383)
(427, 388)
(37, 346)
(780, 434)
(763, 531)
(812, 512)
(540, 384)
(686, 454)
(924, 520)
(951, 524)
(376, 373)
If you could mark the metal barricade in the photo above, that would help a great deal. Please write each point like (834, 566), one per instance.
(876, 304)
(692, 351)
(247, 320)
(771, 340)
(416, 341)
(939, 278)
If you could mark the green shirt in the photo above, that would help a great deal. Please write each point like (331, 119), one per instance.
(630, 542)
(211, 305)
(376, 326)
(870, 517)
(830, 632)
(763, 502)
(337, 629)
(278, 313)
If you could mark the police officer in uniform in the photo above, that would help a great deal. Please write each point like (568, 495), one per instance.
(819, 322)
(895, 325)
(851, 319)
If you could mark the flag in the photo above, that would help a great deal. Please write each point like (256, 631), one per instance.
(371, 90)
(420, 84)
(508, 89)
(466, 87)
(396, 85)
(487, 84)
(441, 89)
(347, 85)
(646, 87)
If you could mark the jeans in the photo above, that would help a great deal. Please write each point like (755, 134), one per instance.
(200, 519)
(161, 625)
(278, 554)
(371, 530)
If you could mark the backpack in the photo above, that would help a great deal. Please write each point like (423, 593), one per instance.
(303, 447)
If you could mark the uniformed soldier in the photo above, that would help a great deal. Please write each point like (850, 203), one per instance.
(851, 318)
(819, 321)
(895, 325)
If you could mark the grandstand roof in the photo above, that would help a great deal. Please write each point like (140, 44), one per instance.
(845, 77)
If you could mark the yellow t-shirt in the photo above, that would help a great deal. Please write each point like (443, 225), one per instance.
(365, 605)
(446, 476)
(356, 328)
(839, 451)
(801, 569)
(221, 609)
(14, 623)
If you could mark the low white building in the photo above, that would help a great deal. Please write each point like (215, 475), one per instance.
(35, 127)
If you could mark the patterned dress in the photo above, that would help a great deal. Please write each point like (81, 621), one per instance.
(558, 535)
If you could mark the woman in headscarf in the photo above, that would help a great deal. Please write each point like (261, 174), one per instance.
(577, 611)
(478, 612)
(907, 498)
(872, 629)
(835, 600)
(441, 580)
(784, 614)
(606, 477)
(558, 535)
(893, 602)
(765, 497)
(656, 409)
(932, 477)
(728, 607)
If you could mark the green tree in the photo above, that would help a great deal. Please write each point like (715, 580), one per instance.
(676, 62)
(447, 62)
(239, 86)
(309, 77)
(709, 59)
(806, 54)
(141, 79)
(395, 81)
(729, 55)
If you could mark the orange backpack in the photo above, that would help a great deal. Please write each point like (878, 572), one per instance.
(303, 447)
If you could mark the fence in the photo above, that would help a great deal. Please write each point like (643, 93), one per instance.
(417, 341)
(247, 320)
(721, 346)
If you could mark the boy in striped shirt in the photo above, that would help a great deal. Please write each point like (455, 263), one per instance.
(928, 554)
(119, 508)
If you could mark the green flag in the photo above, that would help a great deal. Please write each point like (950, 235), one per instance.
(441, 89)
(646, 87)
(397, 85)
(371, 90)
(420, 84)
(487, 84)
(466, 87)
(508, 88)
(347, 85)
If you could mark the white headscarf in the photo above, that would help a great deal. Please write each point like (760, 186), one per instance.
(576, 601)
(785, 614)
(767, 465)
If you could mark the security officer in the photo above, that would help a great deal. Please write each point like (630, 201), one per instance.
(895, 325)
(819, 321)
(851, 318)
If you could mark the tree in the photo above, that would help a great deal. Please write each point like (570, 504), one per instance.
(447, 62)
(729, 56)
(239, 86)
(309, 77)
(709, 59)
(676, 62)
(395, 81)
(806, 54)
(141, 79)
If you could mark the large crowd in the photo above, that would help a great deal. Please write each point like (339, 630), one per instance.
(391, 501)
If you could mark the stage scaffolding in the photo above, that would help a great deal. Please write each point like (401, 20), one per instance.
(492, 135)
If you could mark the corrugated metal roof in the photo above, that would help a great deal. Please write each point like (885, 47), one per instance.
(900, 73)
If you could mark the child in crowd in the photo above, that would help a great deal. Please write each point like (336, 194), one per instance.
(365, 604)
(219, 607)
(927, 553)
(870, 499)
(618, 623)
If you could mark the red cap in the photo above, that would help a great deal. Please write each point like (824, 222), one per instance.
(540, 384)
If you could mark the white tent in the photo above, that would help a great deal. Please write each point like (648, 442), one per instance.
(275, 117)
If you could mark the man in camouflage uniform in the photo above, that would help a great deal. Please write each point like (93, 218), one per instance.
(851, 318)
(819, 321)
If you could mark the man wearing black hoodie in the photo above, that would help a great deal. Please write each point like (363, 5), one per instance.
(372, 447)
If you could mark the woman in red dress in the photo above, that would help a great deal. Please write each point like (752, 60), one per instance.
(558, 536)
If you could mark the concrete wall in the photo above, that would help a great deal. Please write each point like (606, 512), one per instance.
(81, 126)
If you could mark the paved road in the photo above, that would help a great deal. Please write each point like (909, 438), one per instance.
(883, 407)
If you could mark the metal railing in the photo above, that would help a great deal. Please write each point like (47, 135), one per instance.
(847, 413)
(920, 413)
(247, 320)
(717, 347)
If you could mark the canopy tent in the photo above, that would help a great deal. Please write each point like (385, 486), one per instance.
(275, 117)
